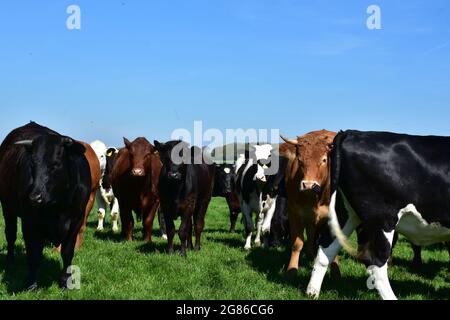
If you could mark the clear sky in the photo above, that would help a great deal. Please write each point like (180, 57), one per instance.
(148, 67)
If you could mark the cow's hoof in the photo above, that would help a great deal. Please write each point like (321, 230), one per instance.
(247, 248)
(164, 236)
(258, 244)
(32, 287)
(100, 229)
(312, 293)
(115, 230)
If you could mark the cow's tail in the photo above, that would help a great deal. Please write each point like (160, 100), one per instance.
(334, 224)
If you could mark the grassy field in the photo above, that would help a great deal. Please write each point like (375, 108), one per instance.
(112, 269)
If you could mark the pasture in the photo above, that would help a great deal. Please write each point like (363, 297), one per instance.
(222, 270)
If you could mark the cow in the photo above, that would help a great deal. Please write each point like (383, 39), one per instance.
(185, 187)
(135, 178)
(308, 188)
(46, 181)
(384, 182)
(250, 181)
(225, 187)
(275, 228)
(94, 166)
(105, 195)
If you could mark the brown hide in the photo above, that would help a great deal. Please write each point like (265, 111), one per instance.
(307, 209)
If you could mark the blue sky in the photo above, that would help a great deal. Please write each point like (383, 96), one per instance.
(148, 67)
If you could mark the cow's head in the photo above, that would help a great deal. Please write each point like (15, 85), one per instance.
(50, 169)
(313, 156)
(263, 157)
(224, 179)
(174, 156)
(110, 156)
(140, 152)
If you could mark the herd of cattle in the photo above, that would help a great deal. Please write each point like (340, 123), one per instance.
(327, 186)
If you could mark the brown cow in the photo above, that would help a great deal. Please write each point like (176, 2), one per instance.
(94, 165)
(135, 179)
(308, 188)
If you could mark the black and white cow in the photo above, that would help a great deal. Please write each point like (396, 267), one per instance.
(249, 186)
(105, 195)
(382, 183)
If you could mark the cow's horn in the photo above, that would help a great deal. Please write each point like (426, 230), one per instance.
(289, 141)
(24, 143)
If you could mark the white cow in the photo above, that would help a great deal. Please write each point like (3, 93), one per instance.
(105, 197)
(250, 175)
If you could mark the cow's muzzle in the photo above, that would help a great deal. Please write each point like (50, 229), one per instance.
(36, 198)
(310, 185)
(137, 172)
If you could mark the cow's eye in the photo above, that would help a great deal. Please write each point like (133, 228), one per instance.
(325, 160)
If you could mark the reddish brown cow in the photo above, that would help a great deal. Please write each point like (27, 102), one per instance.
(308, 188)
(135, 179)
(94, 165)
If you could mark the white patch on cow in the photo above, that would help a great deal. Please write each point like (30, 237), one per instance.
(263, 151)
(268, 210)
(227, 170)
(412, 225)
(378, 277)
(326, 255)
(240, 162)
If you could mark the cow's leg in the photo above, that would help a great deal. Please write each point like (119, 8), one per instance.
(190, 245)
(200, 225)
(115, 214)
(311, 243)
(233, 220)
(127, 220)
(87, 211)
(417, 261)
(247, 211)
(67, 253)
(10, 233)
(297, 236)
(267, 224)
(170, 227)
(183, 232)
(162, 224)
(101, 210)
(328, 251)
(259, 225)
(34, 247)
(148, 219)
(378, 267)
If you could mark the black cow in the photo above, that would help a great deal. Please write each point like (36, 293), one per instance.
(225, 187)
(185, 188)
(46, 181)
(382, 183)
(275, 194)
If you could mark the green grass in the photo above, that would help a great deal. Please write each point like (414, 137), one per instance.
(112, 269)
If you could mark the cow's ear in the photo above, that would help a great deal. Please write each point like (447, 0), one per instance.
(158, 145)
(110, 152)
(127, 143)
(74, 148)
(330, 147)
